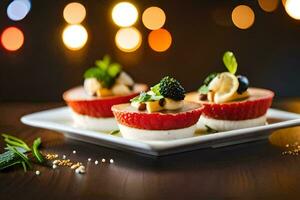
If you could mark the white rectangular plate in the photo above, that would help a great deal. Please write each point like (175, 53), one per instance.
(60, 120)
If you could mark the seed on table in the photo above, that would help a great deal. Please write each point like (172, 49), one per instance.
(111, 161)
(96, 162)
(37, 172)
(64, 156)
(89, 159)
(54, 166)
(103, 160)
(74, 152)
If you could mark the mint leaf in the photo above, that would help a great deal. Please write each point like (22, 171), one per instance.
(230, 62)
(104, 71)
(93, 72)
(203, 89)
(104, 63)
(114, 69)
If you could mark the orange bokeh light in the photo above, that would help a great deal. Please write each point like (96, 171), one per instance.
(154, 18)
(74, 13)
(12, 38)
(243, 16)
(268, 5)
(160, 40)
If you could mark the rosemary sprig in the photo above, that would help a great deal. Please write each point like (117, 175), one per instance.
(14, 141)
(17, 153)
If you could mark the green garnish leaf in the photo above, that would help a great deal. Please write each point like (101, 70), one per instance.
(230, 62)
(35, 151)
(15, 142)
(209, 129)
(203, 89)
(93, 72)
(210, 77)
(114, 132)
(114, 69)
(105, 72)
(143, 97)
(155, 89)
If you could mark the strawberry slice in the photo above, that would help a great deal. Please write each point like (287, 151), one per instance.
(165, 120)
(83, 104)
(255, 106)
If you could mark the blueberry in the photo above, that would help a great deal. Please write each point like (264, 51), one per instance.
(243, 84)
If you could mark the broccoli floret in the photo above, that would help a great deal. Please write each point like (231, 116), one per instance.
(171, 88)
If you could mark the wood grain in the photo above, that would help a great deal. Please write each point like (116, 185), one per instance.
(251, 171)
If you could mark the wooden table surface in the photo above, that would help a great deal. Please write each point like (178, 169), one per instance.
(256, 170)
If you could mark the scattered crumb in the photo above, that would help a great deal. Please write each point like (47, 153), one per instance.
(96, 162)
(111, 161)
(293, 149)
(74, 151)
(103, 160)
(64, 157)
(89, 159)
(37, 172)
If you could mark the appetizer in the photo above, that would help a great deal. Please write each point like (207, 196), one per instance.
(228, 101)
(104, 86)
(159, 114)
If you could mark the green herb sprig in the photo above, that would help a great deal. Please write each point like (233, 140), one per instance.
(17, 153)
(105, 71)
(230, 63)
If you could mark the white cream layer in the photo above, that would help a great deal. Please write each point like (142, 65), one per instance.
(93, 123)
(142, 134)
(227, 125)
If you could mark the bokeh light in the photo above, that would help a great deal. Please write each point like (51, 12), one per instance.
(243, 16)
(292, 7)
(124, 14)
(160, 40)
(268, 5)
(12, 38)
(154, 18)
(75, 37)
(128, 39)
(18, 9)
(74, 13)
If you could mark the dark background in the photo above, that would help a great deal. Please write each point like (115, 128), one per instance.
(268, 53)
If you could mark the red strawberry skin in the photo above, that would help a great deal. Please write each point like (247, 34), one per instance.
(95, 107)
(156, 121)
(240, 110)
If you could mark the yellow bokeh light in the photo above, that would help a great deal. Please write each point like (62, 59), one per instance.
(160, 40)
(124, 14)
(292, 7)
(128, 39)
(154, 18)
(268, 5)
(12, 38)
(74, 13)
(75, 37)
(243, 16)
